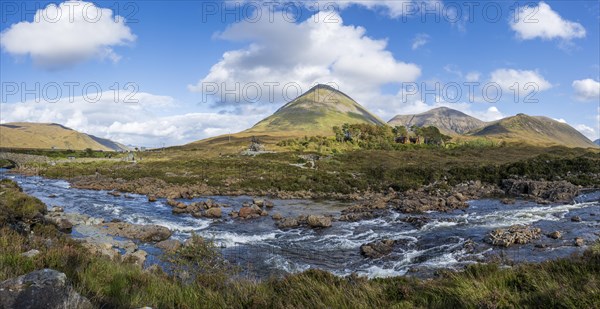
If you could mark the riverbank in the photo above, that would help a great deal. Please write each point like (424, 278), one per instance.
(569, 282)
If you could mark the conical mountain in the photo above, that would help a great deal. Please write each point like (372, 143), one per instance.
(535, 130)
(316, 112)
(447, 120)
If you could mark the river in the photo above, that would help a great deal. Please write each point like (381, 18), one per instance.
(451, 240)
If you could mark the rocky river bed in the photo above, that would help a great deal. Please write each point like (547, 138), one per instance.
(391, 243)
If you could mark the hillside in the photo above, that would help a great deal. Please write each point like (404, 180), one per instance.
(597, 142)
(536, 130)
(316, 112)
(447, 120)
(51, 135)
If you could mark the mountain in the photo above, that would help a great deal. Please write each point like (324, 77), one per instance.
(447, 120)
(535, 130)
(316, 112)
(51, 135)
(597, 142)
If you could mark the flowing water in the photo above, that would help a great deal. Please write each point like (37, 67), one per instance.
(450, 240)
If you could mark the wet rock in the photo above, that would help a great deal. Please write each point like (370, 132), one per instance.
(356, 216)
(171, 202)
(214, 212)
(288, 223)
(269, 204)
(555, 235)
(52, 196)
(316, 221)
(103, 249)
(264, 213)
(114, 193)
(31, 253)
(178, 211)
(46, 288)
(249, 212)
(548, 191)
(145, 233)
(277, 216)
(57, 209)
(377, 249)
(234, 214)
(579, 242)
(417, 222)
(152, 198)
(258, 202)
(516, 234)
(169, 245)
(576, 219)
(508, 201)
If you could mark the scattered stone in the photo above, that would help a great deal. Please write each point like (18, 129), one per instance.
(169, 245)
(269, 204)
(417, 222)
(277, 216)
(315, 221)
(137, 258)
(264, 213)
(516, 234)
(52, 196)
(555, 235)
(171, 202)
(31, 253)
(214, 212)
(152, 198)
(542, 191)
(377, 249)
(114, 193)
(61, 224)
(145, 233)
(258, 202)
(579, 242)
(576, 219)
(508, 201)
(46, 288)
(57, 209)
(288, 223)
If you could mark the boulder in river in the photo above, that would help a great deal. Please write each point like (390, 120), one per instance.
(145, 233)
(277, 216)
(288, 223)
(169, 245)
(214, 212)
(516, 234)
(555, 235)
(579, 242)
(46, 288)
(377, 249)
(317, 221)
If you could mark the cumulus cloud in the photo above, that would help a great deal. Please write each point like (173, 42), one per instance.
(420, 40)
(531, 22)
(586, 89)
(67, 34)
(472, 76)
(302, 54)
(528, 81)
(140, 124)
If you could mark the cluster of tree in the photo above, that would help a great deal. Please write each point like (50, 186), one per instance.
(383, 134)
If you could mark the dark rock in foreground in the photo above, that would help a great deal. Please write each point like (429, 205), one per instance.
(44, 289)
(378, 248)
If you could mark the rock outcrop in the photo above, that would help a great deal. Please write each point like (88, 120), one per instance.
(46, 288)
(541, 191)
(145, 233)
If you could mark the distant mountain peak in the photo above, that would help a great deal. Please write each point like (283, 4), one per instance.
(447, 120)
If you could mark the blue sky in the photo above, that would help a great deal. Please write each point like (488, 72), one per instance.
(180, 57)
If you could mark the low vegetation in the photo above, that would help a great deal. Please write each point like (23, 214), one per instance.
(565, 283)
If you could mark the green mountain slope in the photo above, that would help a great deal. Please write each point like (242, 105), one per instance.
(535, 130)
(51, 135)
(316, 112)
(447, 120)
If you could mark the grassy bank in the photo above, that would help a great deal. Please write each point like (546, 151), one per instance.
(567, 283)
(360, 170)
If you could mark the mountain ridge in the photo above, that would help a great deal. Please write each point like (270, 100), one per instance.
(448, 121)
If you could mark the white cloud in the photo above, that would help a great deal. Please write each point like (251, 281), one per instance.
(305, 53)
(589, 132)
(63, 35)
(473, 76)
(528, 81)
(586, 89)
(140, 124)
(561, 120)
(530, 22)
(420, 40)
